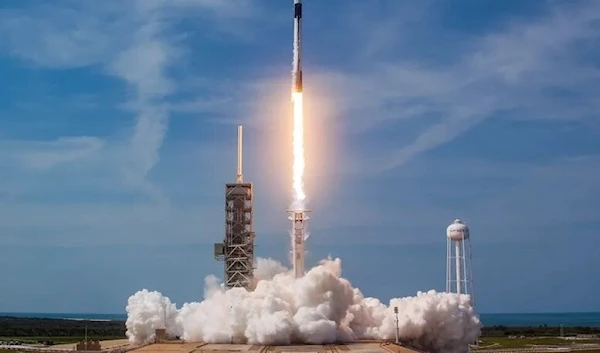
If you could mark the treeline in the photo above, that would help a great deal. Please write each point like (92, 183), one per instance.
(37, 327)
(536, 331)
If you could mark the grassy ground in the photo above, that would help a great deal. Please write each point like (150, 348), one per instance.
(505, 342)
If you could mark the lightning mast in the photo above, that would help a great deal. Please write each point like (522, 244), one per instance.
(237, 249)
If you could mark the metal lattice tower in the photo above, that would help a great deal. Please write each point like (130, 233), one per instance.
(459, 271)
(237, 250)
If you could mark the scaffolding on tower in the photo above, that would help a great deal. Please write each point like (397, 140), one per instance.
(237, 249)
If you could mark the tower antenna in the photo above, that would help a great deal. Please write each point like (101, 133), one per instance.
(237, 248)
(240, 175)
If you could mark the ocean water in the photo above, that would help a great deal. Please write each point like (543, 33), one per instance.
(549, 319)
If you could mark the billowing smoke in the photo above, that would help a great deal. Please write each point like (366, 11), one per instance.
(148, 311)
(319, 308)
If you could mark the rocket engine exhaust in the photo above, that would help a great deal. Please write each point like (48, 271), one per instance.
(298, 213)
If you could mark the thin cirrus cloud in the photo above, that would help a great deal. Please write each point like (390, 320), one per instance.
(529, 68)
(518, 67)
(129, 41)
(417, 113)
(512, 69)
(133, 42)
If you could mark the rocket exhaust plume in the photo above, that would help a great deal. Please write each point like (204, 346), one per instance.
(298, 138)
(322, 307)
(298, 212)
(316, 307)
(298, 144)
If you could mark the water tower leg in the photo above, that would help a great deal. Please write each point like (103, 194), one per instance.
(458, 274)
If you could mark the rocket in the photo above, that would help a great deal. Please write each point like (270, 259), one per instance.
(298, 216)
(297, 65)
(299, 219)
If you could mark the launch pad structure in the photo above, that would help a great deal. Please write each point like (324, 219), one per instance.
(237, 249)
(201, 347)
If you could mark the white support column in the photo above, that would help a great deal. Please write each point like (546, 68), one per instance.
(458, 274)
(464, 268)
(448, 265)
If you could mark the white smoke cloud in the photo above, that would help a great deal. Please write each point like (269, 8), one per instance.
(149, 311)
(266, 269)
(319, 308)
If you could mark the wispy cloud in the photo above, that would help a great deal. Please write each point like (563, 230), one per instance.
(509, 70)
(100, 223)
(528, 67)
(80, 35)
(112, 131)
(44, 155)
(419, 104)
(75, 35)
(139, 43)
(132, 41)
(501, 201)
(142, 65)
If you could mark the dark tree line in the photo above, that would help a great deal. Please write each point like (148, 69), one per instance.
(34, 327)
(37, 327)
(533, 331)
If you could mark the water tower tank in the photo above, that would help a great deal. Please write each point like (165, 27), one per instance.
(457, 230)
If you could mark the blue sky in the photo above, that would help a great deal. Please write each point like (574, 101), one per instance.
(117, 133)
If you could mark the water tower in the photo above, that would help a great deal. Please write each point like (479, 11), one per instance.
(459, 272)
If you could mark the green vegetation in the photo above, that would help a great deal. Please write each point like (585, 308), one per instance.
(505, 342)
(502, 337)
(539, 331)
(58, 331)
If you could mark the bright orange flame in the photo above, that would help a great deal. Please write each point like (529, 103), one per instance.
(298, 143)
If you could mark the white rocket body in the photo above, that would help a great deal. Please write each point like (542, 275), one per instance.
(298, 216)
(297, 64)
(299, 219)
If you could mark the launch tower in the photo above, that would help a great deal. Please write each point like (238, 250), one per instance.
(237, 250)
(459, 272)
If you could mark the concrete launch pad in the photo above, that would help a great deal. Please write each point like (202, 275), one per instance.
(191, 347)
